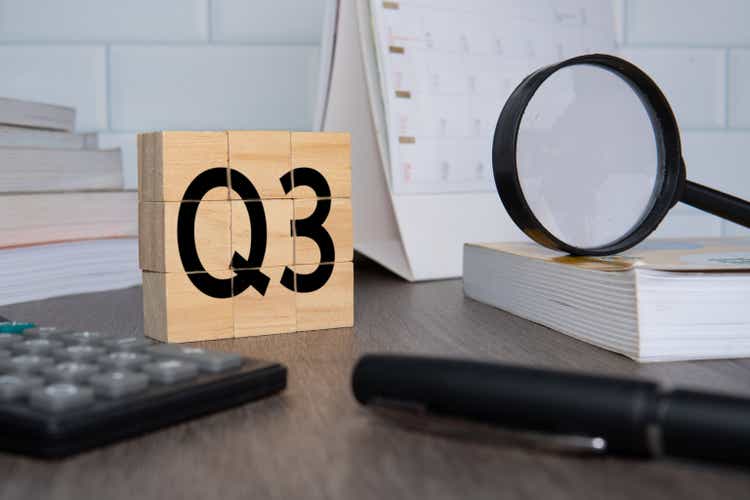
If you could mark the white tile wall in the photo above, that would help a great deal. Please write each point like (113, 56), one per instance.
(739, 88)
(697, 51)
(718, 159)
(129, 146)
(135, 65)
(261, 21)
(734, 230)
(688, 222)
(212, 87)
(703, 23)
(103, 20)
(692, 79)
(202, 64)
(72, 75)
(618, 9)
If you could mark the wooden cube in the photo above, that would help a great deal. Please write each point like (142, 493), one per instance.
(338, 224)
(229, 277)
(332, 306)
(278, 220)
(329, 154)
(158, 245)
(273, 312)
(263, 157)
(176, 311)
(168, 162)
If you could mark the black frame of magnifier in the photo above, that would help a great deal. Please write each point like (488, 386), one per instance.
(671, 185)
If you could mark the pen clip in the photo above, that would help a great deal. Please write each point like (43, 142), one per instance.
(415, 417)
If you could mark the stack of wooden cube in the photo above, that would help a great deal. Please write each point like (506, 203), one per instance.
(250, 255)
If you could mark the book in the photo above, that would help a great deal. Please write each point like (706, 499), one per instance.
(420, 86)
(43, 271)
(32, 218)
(36, 170)
(22, 137)
(67, 226)
(36, 115)
(663, 300)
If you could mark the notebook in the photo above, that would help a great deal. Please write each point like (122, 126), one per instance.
(420, 86)
(663, 300)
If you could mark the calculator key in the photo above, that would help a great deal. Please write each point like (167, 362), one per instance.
(86, 337)
(15, 386)
(35, 346)
(127, 343)
(6, 339)
(15, 327)
(119, 383)
(170, 371)
(81, 352)
(124, 359)
(209, 361)
(70, 371)
(25, 363)
(61, 397)
(45, 332)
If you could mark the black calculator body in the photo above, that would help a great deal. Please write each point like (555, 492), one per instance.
(62, 392)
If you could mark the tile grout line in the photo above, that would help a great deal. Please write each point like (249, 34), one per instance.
(727, 62)
(98, 42)
(165, 43)
(108, 84)
(209, 21)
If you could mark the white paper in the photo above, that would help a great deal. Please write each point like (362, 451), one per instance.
(460, 62)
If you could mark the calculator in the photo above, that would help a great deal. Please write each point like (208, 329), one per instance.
(66, 391)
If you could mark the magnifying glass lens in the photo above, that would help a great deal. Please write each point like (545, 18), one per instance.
(587, 156)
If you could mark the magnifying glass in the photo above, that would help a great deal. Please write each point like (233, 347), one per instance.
(587, 158)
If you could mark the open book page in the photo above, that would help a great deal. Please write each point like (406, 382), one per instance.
(447, 68)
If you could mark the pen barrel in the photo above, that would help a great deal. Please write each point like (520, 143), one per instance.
(618, 410)
(706, 426)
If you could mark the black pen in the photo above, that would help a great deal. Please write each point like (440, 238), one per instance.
(559, 409)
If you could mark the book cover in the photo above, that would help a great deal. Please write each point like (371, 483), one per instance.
(704, 254)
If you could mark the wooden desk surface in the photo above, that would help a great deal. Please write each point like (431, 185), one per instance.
(314, 441)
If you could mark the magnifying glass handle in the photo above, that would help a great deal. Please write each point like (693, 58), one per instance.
(715, 202)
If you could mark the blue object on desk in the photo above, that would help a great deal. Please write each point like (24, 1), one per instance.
(14, 327)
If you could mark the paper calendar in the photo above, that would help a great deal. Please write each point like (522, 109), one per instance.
(420, 85)
(448, 67)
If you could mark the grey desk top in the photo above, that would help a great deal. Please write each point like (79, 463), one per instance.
(314, 441)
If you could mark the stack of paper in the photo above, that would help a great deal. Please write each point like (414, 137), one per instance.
(660, 301)
(67, 225)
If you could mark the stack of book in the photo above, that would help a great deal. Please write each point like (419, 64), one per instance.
(66, 224)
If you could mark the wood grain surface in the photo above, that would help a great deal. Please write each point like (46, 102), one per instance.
(330, 154)
(314, 441)
(169, 161)
(262, 156)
